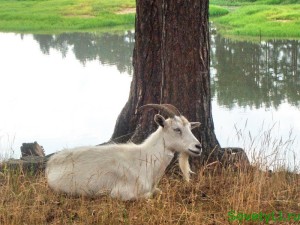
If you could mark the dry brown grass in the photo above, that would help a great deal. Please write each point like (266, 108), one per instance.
(26, 199)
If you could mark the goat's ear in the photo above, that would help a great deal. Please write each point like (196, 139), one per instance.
(160, 120)
(195, 124)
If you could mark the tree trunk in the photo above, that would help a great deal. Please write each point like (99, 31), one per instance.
(33, 159)
(171, 65)
(32, 149)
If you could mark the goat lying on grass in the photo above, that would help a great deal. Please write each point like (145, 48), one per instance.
(127, 171)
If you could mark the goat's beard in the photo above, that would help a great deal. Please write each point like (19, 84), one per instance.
(184, 165)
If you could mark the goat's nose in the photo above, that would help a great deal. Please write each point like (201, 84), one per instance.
(198, 146)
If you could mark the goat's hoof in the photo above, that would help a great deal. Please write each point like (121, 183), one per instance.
(157, 191)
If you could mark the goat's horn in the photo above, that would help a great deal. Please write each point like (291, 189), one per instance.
(172, 108)
(169, 109)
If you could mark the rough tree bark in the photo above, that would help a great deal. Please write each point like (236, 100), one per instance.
(171, 65)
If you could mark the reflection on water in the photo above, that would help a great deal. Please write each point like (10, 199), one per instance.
(62, 96)
(259, 75)
(256, 95)
(110, 49)
(255, 74)
(252, 84)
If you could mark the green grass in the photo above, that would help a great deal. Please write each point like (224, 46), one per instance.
(243, 18)
(262, 20)
(278, 2)
(63, 15)
(251, 2)
(217, 11)
(48, 16)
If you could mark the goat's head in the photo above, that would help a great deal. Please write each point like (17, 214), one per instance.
(177, 130)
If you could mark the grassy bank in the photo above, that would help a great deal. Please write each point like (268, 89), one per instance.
(252, 2)
(215, 11)
(49, 16)
(213, 197)
(53, 16)
(266, 18)
(262, 20)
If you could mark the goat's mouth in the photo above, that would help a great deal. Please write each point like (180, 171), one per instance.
(195, 152)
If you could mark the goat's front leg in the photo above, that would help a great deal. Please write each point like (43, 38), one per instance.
(125, 192)
(152, 193)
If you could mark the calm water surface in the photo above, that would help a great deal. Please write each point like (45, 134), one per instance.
(67, 90)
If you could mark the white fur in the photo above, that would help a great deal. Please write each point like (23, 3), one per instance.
(127, 171)
(184, 165)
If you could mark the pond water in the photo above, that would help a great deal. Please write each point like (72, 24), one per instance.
(67, 90)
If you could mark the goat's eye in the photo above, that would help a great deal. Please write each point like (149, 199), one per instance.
(177, 130)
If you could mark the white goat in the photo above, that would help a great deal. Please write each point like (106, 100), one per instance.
(127, 171)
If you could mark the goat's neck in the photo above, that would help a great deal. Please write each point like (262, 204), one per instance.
(155, 143)
(160, 157)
